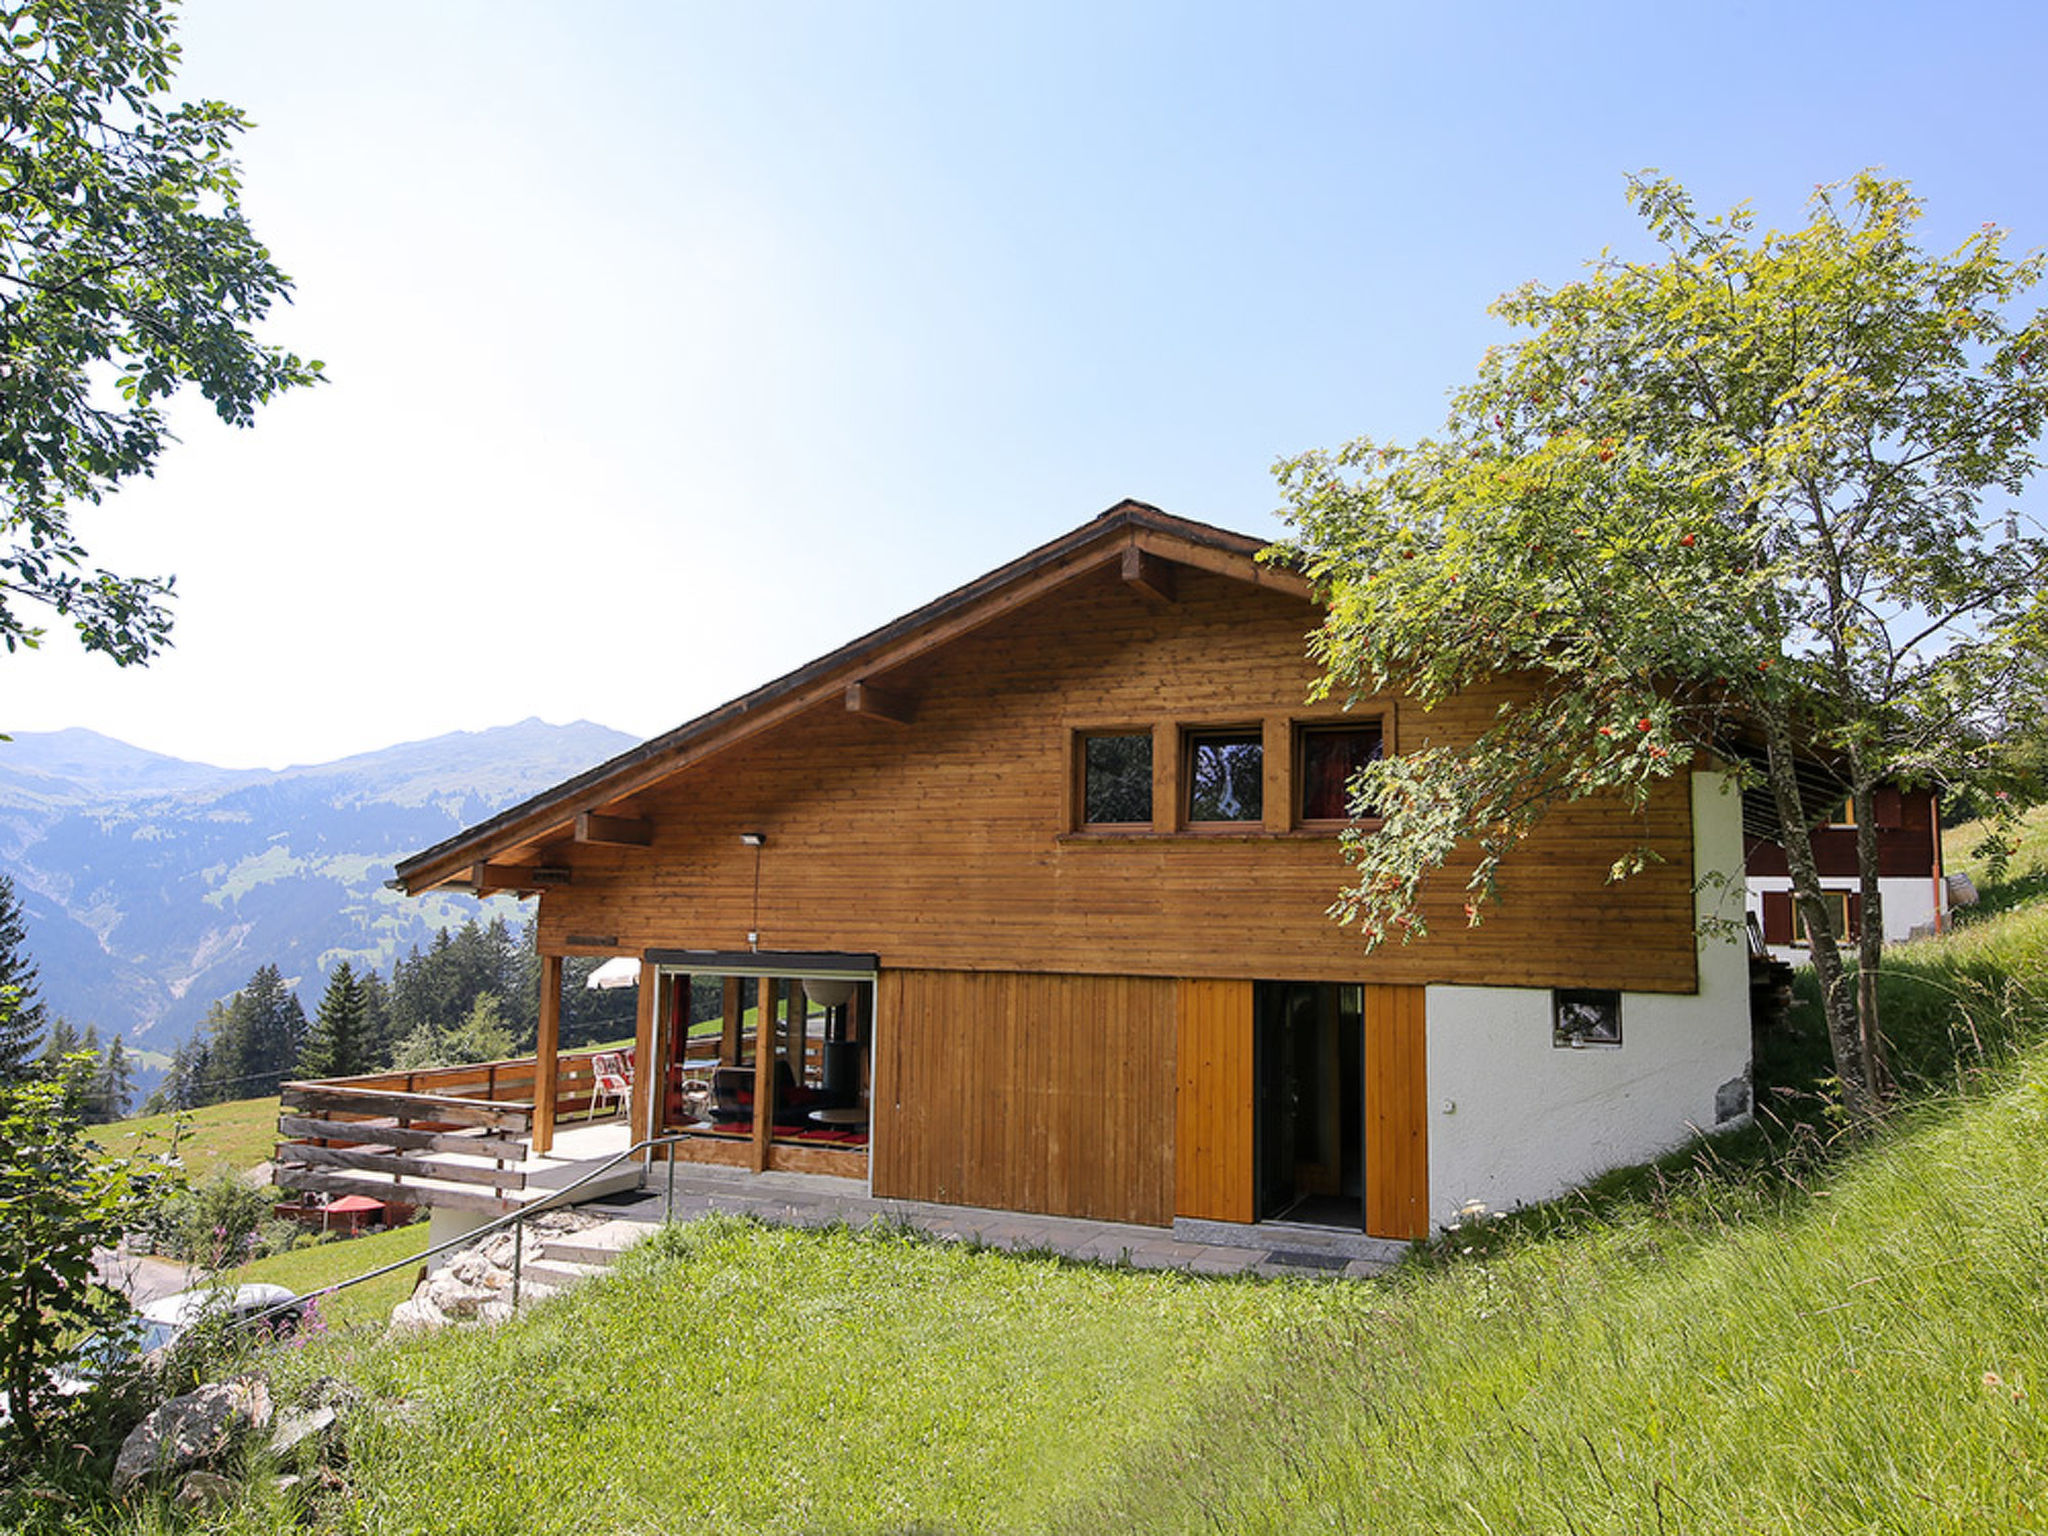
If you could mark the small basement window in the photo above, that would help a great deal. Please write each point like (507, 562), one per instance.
(1116, 779)
(1226, 776)
(1580, 1017)
(1331, 756)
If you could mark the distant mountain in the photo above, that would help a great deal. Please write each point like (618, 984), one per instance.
(152, 886)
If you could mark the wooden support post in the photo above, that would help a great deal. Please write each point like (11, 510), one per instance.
(857, 1031)
(799, 1030)
(764, 1073)
(729, 1035)
(650, 1072)
(547, 1069)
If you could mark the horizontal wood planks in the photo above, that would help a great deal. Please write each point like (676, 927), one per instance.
(947, 844)
(1026, 1092)
(1214, 1107)
(1396, 1113)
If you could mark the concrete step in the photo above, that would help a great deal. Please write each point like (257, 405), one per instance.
(556, 1273)
(596, 1246)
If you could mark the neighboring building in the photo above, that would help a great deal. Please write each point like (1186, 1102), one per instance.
(1026, 894)
(1910, 882)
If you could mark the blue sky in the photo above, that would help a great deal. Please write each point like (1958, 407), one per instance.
(672, 345)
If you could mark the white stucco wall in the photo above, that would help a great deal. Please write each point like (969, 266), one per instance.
(1515, 1119)
(1910, 901)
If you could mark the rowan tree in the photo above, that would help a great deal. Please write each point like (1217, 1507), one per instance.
(1746, 503)
(127, 272)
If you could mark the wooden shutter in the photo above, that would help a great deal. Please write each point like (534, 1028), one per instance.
(1396, 1112)
(1214, 1114)
(1777, 917)
(1888, 806)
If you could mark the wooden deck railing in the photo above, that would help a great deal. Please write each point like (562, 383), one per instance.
(381, 1133)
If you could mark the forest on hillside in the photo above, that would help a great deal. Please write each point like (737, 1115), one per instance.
(472, 994)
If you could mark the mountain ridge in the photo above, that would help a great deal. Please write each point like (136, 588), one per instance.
(151, 886)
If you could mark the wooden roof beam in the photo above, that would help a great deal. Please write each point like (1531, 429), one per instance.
(1276, 578)
(614, 831)
(489, 879)
(1148, 576)
(872, 703)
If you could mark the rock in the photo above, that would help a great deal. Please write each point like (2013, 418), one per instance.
(189, 1431)
(200, 1490)
(475, 1285)
(295, 1426)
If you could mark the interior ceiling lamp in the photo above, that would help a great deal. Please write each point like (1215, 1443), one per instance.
(753, 839)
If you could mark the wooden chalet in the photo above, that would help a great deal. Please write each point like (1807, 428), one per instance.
(1910, 881)
(1019, 902)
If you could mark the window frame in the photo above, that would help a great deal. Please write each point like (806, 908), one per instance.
(1844, 906)
(1298, 768)
(1191, 737)
(1078, 778)
(1604, 998)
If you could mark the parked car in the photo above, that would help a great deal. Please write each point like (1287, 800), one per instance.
(268, 1311)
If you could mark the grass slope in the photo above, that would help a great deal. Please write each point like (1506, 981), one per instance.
(318, 1264)
(236, 1136)
(730, 1377)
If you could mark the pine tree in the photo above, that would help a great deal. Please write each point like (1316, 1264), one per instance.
(338, 1045)
(113, 1087)
(21, 1009)
(379, 1041)
(268, 1028)
(59, 1041)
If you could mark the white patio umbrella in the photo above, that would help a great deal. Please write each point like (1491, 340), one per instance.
(619, 971)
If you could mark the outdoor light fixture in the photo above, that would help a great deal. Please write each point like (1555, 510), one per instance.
(753, 839)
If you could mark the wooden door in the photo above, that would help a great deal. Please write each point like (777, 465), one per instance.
(1396, 1113)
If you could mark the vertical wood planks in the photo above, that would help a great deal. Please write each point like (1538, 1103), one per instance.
(1026, 1092)
(1396, 1112)
(1213, 1115)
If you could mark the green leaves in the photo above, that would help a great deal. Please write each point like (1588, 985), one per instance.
(1749, 480)
(58, 1202)
(127, 272)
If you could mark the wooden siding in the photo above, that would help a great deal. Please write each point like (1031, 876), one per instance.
(1396, 1113)
(1026, 1092)
(1213, 1160)
(948, 844)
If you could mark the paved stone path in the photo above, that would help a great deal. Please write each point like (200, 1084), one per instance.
(804, 1200)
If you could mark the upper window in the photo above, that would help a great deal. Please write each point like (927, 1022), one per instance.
(1226, 776)
(1116, 780)
(1331, 756)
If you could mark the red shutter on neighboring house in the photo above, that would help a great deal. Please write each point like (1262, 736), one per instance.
(1888, 806)
(1777, 917)
(1855, 920)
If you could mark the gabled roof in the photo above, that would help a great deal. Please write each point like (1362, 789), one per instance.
(1147, 541)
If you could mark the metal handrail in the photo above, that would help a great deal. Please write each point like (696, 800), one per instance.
(513, 1219)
